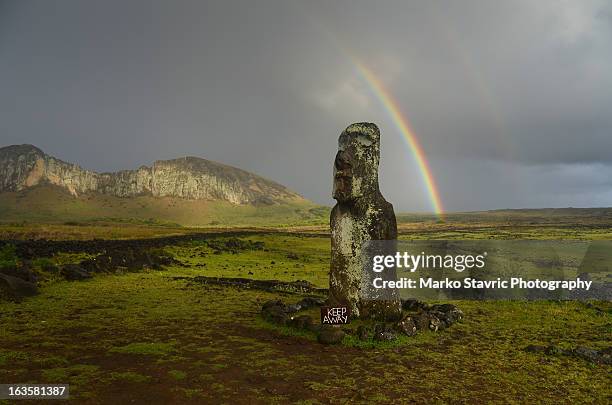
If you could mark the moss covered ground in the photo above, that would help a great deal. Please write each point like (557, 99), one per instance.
(147, 337)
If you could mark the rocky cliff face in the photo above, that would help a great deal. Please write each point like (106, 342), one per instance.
(23, 166)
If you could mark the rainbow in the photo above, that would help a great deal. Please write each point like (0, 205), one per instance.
(401, 122)
(390, 105)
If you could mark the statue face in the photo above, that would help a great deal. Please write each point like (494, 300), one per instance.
(343, 178)
(356, 163)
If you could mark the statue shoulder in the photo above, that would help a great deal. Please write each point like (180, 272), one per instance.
(388, 207)
(383, 214)
(382, 207)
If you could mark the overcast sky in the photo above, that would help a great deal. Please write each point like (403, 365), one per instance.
(511, 100)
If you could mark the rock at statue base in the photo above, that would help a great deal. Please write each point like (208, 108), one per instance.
(384, 333)
(302, 322)
(74, 272)
(363, 333)
(330, 335)
(426, 321)
(406, 326)
(275, 312)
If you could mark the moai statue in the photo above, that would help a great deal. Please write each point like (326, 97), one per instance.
(361, 214)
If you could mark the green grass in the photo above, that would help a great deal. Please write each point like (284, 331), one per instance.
(124, 338)
(8, 256)
(9, 357)
(78, 374)
(177, 374)
(50, 204)
(307, 259)
(146, 349)
(129, 376)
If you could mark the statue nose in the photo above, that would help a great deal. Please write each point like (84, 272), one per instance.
(342, 161)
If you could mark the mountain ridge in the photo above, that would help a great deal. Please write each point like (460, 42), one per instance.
(190, 177)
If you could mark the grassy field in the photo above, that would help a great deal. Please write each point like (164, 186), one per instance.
(147, 337)
(563, 223)
(575, 224)
(50, 204)
(50, 212)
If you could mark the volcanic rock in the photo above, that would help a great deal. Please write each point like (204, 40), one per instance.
(13, 288)
(74, 272)
(330, 335)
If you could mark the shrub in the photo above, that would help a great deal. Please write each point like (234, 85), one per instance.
(8, 256)
(45, 264)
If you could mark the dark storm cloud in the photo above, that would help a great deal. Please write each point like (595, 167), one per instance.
(512, 101)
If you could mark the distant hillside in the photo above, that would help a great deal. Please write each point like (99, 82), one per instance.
(52, 204)
(25, 166)
(190, 191)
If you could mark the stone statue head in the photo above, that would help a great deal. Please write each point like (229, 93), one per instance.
(356, 164)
